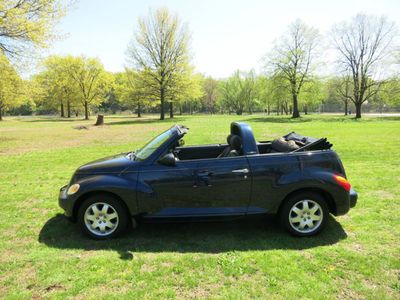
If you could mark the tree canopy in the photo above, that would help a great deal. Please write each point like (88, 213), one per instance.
(292, 58)
(27, 24)
(361, 44)
(160, 51)
(11, 85)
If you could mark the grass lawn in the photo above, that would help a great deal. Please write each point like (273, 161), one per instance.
(42, 255)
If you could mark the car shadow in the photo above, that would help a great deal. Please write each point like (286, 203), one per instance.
(205, 237)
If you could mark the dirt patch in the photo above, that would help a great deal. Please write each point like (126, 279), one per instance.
(147, 268)
(198, 292)
(55, 287)
(381, 194)
(81, 127)
(60, 135)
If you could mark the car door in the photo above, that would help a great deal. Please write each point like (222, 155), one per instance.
(222, 186)
(204, 187)
(166, 190)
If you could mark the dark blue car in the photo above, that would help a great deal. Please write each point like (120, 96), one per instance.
(300, 178)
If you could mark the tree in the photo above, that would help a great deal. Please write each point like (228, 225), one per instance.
(273, 90)
(130, 90)
(341, 88)
(292, 58)
(390, 92)
(160, 52)
(91, 79)
(249, 91)
(58, 88)
(270, 92)
(186, 88)
(189, 91)
(362, 44)
(238, 92)
(11, 86)
(209, 100)
(314, 93)
(26, 24)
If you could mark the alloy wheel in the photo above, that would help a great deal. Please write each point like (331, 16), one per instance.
(305, 216)
(101, 219)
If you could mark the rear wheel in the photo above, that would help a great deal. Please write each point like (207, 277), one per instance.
(304, 214)
(102, 217)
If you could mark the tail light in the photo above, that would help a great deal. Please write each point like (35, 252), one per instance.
(342, 182)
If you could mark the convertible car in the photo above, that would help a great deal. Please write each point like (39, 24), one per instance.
(299, 178)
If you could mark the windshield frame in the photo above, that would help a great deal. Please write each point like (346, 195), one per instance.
(154, 144)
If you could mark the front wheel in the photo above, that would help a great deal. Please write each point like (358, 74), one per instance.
(102, 217)
(304, 214)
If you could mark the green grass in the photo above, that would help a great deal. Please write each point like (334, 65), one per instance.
(43, 255)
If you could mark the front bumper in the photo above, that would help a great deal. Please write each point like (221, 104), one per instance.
(65, 202)
(353, 197)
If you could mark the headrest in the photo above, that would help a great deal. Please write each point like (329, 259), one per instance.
(236, 142)
(228, 138)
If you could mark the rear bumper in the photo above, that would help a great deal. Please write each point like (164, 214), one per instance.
(353, 198)
(345, 201)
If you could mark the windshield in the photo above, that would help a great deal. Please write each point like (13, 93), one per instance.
(153, 145)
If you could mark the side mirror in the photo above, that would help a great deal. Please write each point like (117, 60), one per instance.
(167, 160)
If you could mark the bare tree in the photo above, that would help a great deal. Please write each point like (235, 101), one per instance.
(292, 58)
(160, 51)
(362, 44)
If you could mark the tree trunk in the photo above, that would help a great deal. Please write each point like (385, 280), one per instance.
(296, 113)
(100, 120)
(139, 111)
(86, 111)
(305, 109)
(162, 98)
(171, 110)
(358, 110)
(180, 110)
(269, 109)
(68, 109)
(345, 108)
(62, 110)
(1, 114)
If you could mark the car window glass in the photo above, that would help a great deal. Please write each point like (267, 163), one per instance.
(153, 145)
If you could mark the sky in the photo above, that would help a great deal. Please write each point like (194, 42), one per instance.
(226, 35)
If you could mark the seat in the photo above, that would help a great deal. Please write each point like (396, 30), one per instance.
(234, 146)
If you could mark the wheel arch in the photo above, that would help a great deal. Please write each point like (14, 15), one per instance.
(89, 194)
(325, 194)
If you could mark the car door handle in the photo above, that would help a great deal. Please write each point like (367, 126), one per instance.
(241, 171)
(204, 173)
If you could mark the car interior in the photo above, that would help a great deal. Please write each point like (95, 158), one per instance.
(291, 142)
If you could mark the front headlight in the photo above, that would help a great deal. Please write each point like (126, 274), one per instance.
(73, 189)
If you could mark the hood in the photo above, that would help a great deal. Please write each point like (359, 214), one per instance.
(111, 164)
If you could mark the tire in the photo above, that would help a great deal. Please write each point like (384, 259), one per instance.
(304, 214)
(102, 216)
